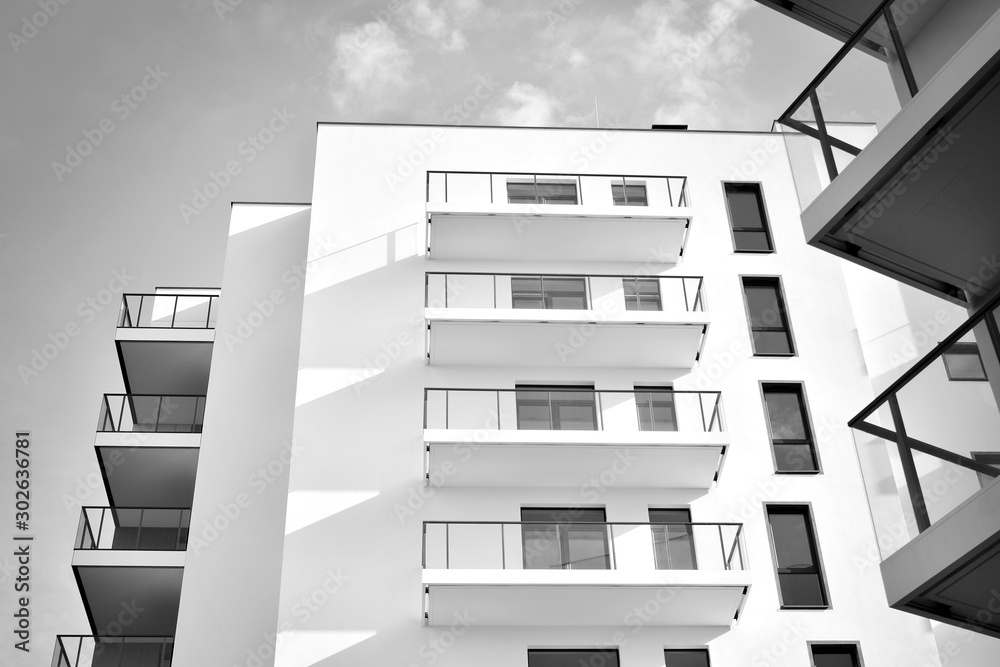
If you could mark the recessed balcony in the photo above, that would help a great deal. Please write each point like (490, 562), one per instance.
(563, 436)
(110, 651)
(584, 574)
(484, 319)
(556, 217)
(165, 341)
(131, 558)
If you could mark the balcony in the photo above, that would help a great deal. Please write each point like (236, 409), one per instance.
(524, 437)
(553, 217)
(147, 447)
(564, 320)
(916, 201)
(131, 557)
(584, 574)
(929, 448)
(165, 341)
(98, 651)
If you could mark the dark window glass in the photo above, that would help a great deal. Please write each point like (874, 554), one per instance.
(685, 657)
(673, 539)
(835, 655)
(748, 218)
(791, 436)
(629, 194)
(556, 408)
(549, 292)
(799, 578)
(768, 320)
(962, 362)
(572, 658)
(656, 409)
(541, 191)
(641, 293)
(565, 538)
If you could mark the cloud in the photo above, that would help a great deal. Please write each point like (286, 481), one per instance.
(439, 22)
(527, 104)
(370, 69)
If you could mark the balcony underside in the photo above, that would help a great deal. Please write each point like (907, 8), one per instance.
(145, 593)
(565, 338)
(585, 597)
(673, 460)
(149, 476)
(919, 203)
(553, 233)
(177, 367)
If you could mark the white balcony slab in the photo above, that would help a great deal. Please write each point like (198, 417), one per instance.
(145, 592)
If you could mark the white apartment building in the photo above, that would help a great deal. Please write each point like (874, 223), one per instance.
(500, 396)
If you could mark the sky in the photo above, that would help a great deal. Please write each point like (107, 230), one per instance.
(129, 127)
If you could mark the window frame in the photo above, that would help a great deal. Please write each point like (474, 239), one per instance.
(966, 348)
(639, 296)
(549, 389)
(600, 649)
(703, 649)
(561, 535)
(542, 293)
(690, 532)
(762, 204)
(783, 303)
(625, 184)
(854, 643)
(818, 555)
(807, 419)
(653, 389)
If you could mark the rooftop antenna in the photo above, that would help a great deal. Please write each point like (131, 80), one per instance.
(597, 113)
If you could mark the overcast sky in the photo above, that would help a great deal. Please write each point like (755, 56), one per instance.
(116, 115)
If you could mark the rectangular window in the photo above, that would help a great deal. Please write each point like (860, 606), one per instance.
(835, 655)
(655, 406)
(541, 191)
(549, 292)
(629, 193)
(541, 408)
(791, 436)
(769, 327)
(642, 293)
(565, 538)
(962, 363)
(546, 657)
(800, 580)
(673, 539)
(685, 657)
(748, 217)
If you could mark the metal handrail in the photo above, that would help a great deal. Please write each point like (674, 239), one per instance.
(125, 318)
(107, 414)
(62, 658)
(95, 539)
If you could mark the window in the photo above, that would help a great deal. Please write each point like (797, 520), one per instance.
(549, 292)
(656, 408)
(963, 363)
(748, 217)
(629, 193)
(685, 657)
(542, 408)
(541, 191)
(641, 293)
(546, 657)
(800, 581)
(835, 655)
(564, 538)
(791, 436)
(768, 319)
(673, 539)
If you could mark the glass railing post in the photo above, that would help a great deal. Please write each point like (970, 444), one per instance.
(909, 468)
(208, 315)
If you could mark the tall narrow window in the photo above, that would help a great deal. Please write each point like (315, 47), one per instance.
(963, 363)
(542, 408)
(800, 579)
(642, 293)
(546, 657)
(835, 655)
(655, 406)
(769, 327)
(629, 193)
(565, 538)
(791, 436)
(673, 539)
(685, 657)
(533, 190)
(748, 217)
(549, 292)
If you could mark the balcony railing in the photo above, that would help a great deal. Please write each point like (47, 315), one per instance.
(151, 413)
(133, 529)
(97, 651)
(937, 429)
(563, 291)
(522, 545)
(168, 311)
(473, 187)
(573, 409)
